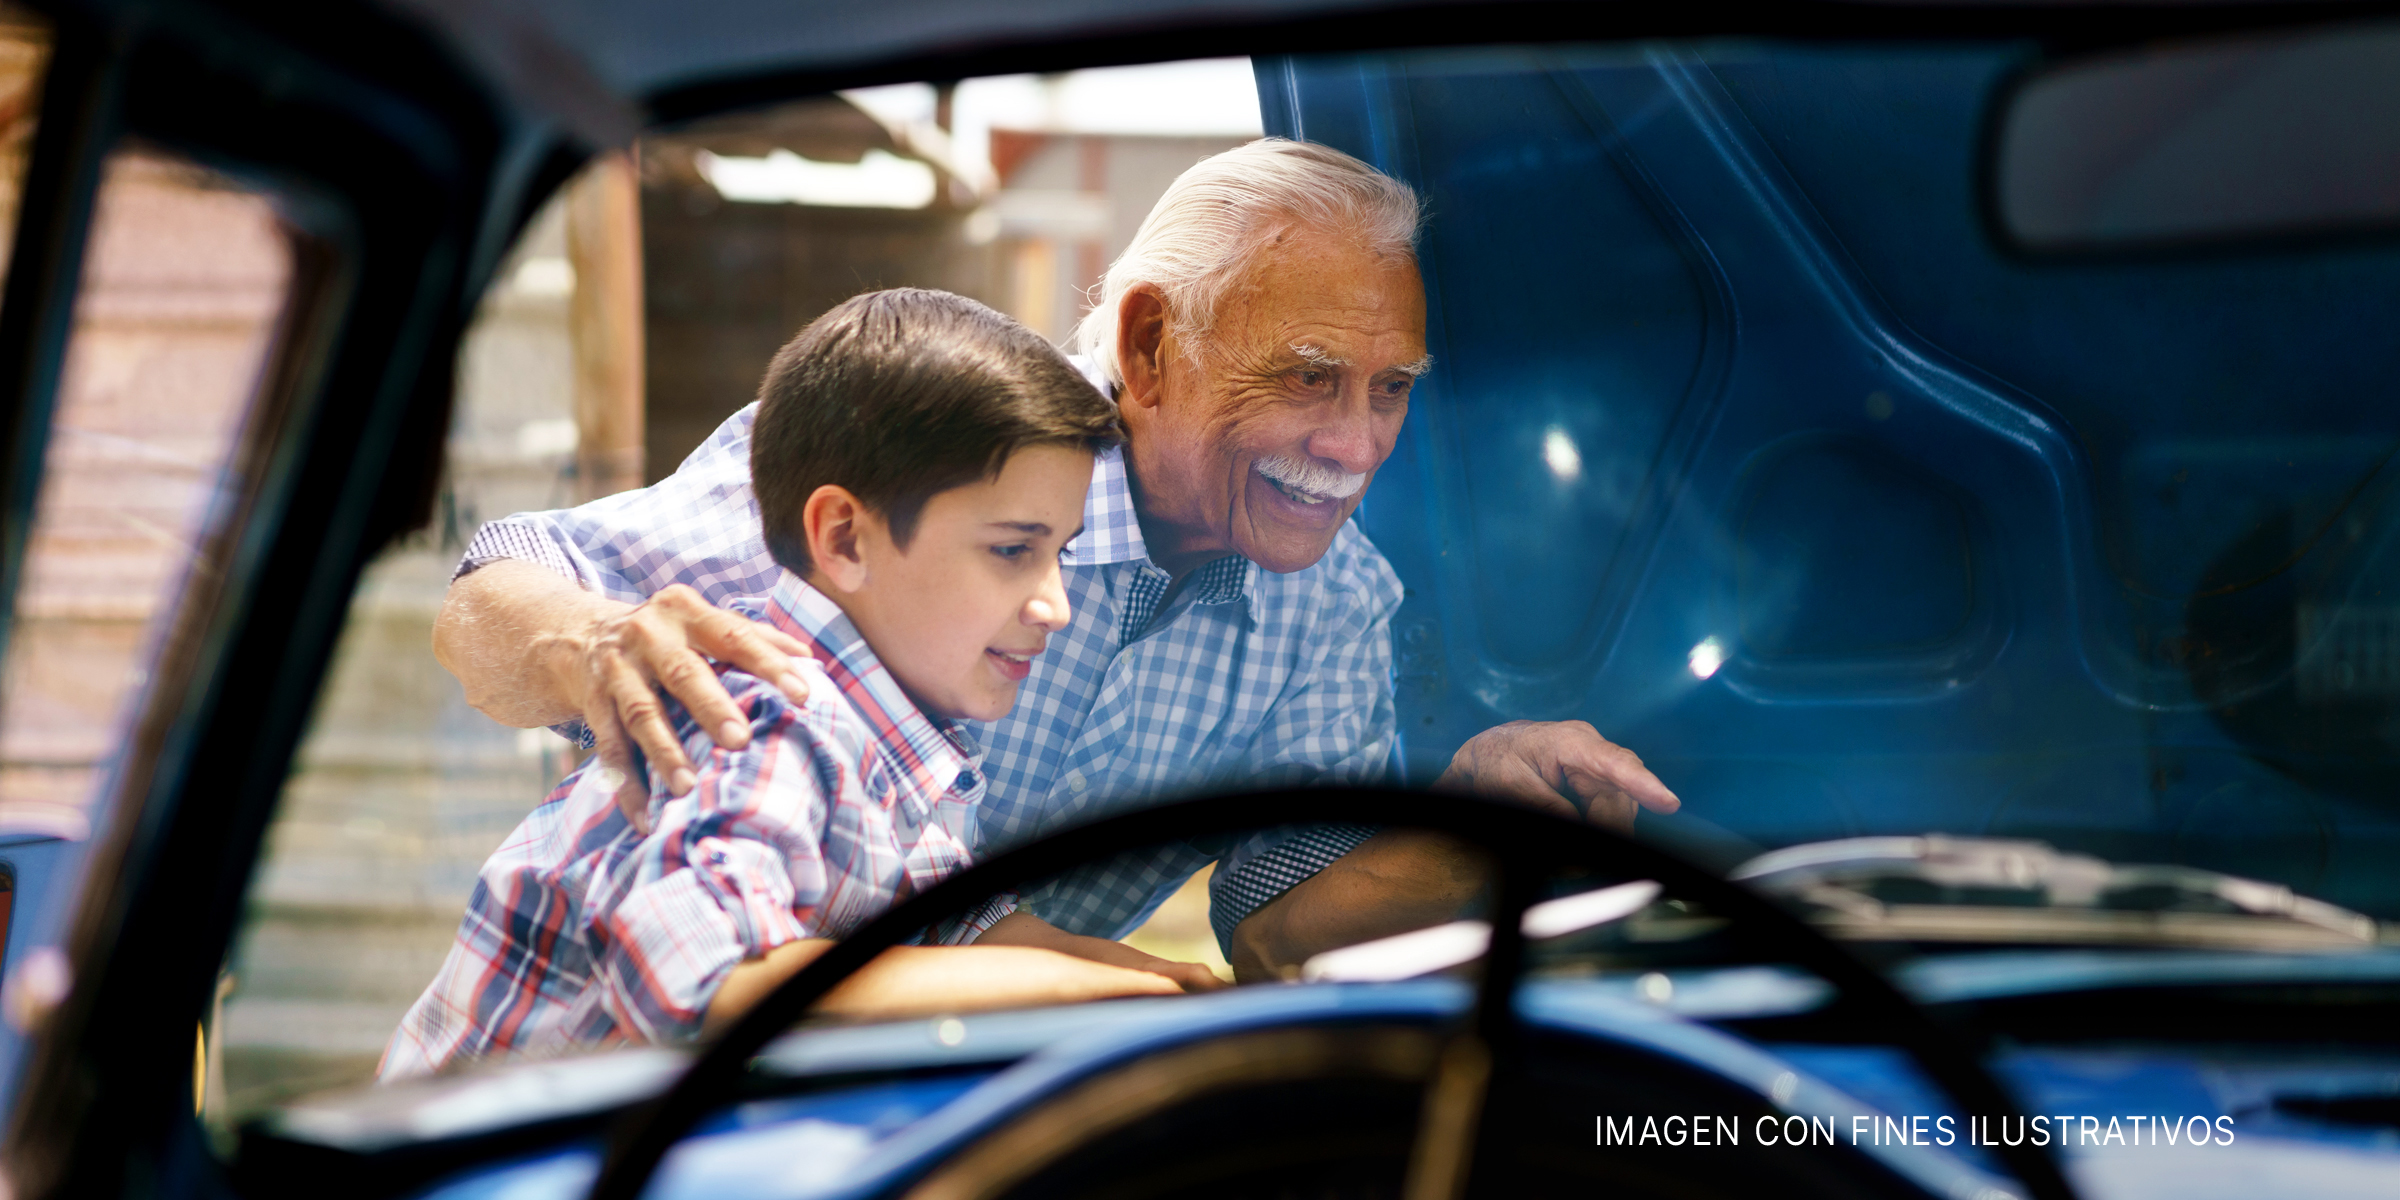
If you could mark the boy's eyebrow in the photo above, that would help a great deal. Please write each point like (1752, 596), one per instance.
(1033, 528)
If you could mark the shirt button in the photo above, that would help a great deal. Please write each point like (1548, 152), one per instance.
(1075, 781)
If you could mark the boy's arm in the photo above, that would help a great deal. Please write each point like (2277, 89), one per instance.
(731, 872)
(737, 867)
(925, 980)
(1021, 928)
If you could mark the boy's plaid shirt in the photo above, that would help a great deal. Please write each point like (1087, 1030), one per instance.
(582, 932)
(1248, 679)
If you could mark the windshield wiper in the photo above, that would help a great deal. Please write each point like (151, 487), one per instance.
(1937, 888)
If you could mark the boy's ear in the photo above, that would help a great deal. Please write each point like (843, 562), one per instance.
(1141, 345)
(831, 520)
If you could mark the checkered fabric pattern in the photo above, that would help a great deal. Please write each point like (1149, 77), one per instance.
(1212, 583)
(1245, 679)
(582, 932)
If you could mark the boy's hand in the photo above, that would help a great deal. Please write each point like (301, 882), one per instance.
(1190, 976)
(613, 667)
(1022, 928)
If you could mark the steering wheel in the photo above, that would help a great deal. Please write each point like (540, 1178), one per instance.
(1524, 847)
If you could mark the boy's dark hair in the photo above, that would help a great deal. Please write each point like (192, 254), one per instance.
(902, 394)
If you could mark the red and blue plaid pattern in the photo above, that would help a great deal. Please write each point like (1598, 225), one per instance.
(582, 932)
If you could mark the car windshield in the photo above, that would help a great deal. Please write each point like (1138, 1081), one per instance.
(1755, 447)
(1962, 595)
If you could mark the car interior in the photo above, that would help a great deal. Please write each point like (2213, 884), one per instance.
(1946, 442)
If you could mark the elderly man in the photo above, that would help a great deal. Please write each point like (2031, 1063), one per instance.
(1232, 627)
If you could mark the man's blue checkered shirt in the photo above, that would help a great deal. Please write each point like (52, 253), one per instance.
(1245, 679)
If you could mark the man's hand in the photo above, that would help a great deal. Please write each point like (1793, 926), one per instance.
(613, 668)
(1563, 767)
(1021, 928)
(532, 649)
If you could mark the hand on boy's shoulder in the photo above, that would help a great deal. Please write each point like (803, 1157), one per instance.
(673, 643)
(764, 703)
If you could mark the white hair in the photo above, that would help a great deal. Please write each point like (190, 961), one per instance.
(1203, 232)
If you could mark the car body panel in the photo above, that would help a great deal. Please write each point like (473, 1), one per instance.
(879, 1158)
(872, 1138)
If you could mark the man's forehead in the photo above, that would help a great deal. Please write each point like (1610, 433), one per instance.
(1317, 279)
(1331, 305)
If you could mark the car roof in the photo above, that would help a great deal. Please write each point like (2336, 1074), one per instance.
(601, 65)
(640, 47)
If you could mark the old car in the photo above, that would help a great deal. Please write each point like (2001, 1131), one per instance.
(1946, 442)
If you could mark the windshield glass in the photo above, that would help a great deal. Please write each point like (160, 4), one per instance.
(1773, 466)
(1666, 441)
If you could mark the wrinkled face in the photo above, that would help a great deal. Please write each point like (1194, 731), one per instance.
(1265, 437)
(959, 616)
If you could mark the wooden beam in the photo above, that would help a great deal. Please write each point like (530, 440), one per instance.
(604, 320)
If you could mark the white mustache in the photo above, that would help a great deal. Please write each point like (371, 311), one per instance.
(1303, 475)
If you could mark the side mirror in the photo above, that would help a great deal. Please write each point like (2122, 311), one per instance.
(2259, 136)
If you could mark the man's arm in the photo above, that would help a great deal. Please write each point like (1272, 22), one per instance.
(566, 615)
(1333, 725)
(1338, 727)
(1402, 879)
(1396, 881)
(532, 648)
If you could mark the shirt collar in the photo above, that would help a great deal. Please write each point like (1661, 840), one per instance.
(943, 747)
(1112, 532)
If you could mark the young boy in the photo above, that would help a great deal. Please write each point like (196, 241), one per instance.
(920, 463)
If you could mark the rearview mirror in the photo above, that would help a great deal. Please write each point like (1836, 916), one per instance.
(2261, 136)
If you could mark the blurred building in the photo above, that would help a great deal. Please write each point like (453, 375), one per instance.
(729, 281)
(1068, 205)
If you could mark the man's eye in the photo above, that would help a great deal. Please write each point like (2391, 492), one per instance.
(1312, 378)
(1012, 552)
